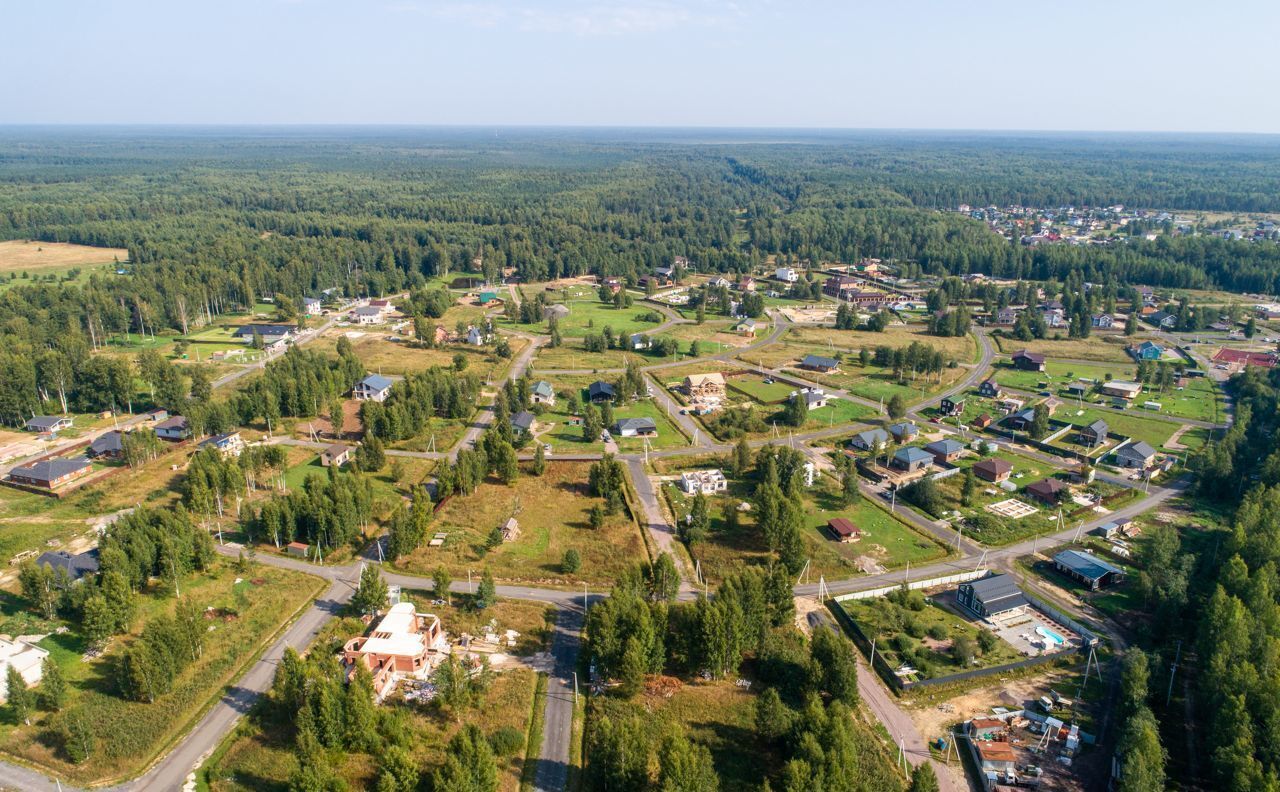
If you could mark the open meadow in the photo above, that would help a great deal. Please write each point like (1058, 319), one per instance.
(552, 512)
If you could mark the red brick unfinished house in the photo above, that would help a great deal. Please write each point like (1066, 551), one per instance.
(404, 643)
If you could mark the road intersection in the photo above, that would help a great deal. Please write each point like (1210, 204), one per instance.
(174, 769)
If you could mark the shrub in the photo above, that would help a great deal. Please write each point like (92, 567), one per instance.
(938, 632)
(914, 628)
(507, 741)
(987, 641)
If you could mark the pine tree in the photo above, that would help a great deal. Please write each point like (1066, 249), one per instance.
(370, 455)
(968, 488)
(849, 492)
(470, 765)
(572, 561)
(741, 457)
(539, 460)
(897, 406)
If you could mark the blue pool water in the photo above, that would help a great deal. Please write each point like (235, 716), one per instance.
(1051, 635)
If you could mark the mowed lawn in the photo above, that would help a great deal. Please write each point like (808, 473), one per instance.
(1150, 430)
(130, 734)
(555, 427)
(588, 317)
(1200, 400)
(30, 521)
(552, 511)
(960, 348)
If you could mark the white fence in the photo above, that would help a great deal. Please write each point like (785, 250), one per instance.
(961, 577)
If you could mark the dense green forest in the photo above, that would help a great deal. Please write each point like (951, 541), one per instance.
(214, 219)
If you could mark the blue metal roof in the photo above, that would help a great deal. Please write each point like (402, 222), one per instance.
(912, 454)
(377, 382)
(1086, 565)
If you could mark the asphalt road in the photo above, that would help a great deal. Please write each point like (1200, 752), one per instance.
(551, 773)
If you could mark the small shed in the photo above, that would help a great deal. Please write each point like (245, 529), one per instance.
(844, 530)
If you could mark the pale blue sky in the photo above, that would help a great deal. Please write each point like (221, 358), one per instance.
(1125, 65)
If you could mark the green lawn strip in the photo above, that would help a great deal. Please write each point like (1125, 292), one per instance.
(533, 745)
(588, 317)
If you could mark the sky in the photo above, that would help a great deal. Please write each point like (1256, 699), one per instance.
(1135, 65)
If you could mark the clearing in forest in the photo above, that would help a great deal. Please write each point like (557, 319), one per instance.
(18, 255)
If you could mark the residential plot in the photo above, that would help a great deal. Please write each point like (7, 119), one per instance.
(1150, 430)
(255, 758)
(552, 515)
(128, 734)
(1199, 399)
(961, 348)
(870, 381)
(884, 541)
(912, 632)
(560, 427)
(587, 317)
(1107, 348)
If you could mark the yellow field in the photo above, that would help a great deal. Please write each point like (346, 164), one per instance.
(1105, 348)
(19, 255)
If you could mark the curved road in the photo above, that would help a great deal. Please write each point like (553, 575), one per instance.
(172, 771)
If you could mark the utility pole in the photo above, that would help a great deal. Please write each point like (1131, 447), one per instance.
(1172, 671)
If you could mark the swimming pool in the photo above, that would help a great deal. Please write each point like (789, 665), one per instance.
(1050, 635)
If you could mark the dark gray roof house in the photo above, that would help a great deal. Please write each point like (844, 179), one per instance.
(1087, 568)
(48, 423)
(49, 473)
(911, 458)
(992, 596)
(110, 444)
(1137, 454)
(819, 363)
(76, 566)
(869, 439)
(267, 331)
(601, 391)
(1094, 434)
(633, 427)
(522, 422)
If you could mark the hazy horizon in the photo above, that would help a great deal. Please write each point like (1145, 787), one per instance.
(697, 64)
